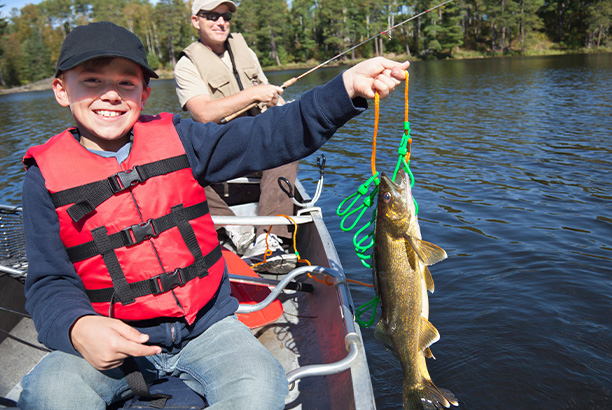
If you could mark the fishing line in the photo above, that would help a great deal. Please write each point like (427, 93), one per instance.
(388, 30)
(293, 80)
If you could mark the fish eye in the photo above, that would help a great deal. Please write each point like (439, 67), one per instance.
(387, 197)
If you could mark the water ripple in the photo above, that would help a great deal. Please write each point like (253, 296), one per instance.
(512, 165)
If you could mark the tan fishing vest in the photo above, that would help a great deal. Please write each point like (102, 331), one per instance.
(218, 76)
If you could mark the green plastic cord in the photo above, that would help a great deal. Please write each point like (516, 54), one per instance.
(371, 305)
(364, 238)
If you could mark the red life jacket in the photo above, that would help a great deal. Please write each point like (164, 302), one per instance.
(139, 233)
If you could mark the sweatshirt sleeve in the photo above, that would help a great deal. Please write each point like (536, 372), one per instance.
(55, 296)
(278, 136)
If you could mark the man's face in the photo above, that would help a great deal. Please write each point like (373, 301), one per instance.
(213, 33)
(105, 101)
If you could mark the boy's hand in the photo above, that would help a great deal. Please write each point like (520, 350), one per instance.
(375, 75)
(106, 342)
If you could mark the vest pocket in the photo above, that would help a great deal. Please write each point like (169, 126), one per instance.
(219, 85)
(252, 73)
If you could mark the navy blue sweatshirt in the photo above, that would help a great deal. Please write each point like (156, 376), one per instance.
(54, 292)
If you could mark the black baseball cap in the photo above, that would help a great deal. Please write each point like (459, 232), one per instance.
(102, 39)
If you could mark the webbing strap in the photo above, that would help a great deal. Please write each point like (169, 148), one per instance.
(89, 196)
(138, 233)
(163, 282)
(139, 387)
(120, 284)
(189, 237)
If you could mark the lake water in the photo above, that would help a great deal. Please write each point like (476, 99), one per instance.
(513, 169)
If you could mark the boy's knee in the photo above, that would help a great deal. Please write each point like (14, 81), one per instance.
(63, 381)
(271, 388)
(56, 392)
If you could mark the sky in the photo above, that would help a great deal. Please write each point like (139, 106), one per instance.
(18, 4)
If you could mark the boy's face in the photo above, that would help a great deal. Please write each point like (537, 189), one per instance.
(105, 101)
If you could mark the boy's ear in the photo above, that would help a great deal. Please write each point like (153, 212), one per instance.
(146, 92)
(61, 94)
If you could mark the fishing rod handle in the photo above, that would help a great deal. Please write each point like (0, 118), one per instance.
(227, 119)
(237, 113)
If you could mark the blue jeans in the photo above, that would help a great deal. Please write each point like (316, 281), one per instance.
(226, 364)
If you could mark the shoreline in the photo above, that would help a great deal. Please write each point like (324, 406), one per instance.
(164, 74)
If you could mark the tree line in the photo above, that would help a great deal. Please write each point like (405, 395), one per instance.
(306, 31)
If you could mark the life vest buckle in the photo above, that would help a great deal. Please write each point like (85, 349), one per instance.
(124, 179)
(135, 234)
(168, 281)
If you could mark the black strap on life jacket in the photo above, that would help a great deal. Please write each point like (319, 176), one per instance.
(127, 293)
(135, 234)
(139, 387)
(120, 283)
(161, 283)
(85, 198)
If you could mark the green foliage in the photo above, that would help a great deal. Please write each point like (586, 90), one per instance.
(153, 61)
(303, 31)
(36, 58)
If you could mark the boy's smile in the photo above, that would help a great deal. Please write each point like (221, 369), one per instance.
(105, 100)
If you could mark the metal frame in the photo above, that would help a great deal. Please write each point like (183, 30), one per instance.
(351, 338)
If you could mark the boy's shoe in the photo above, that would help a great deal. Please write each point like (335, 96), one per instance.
(278, 262)
(241, 237)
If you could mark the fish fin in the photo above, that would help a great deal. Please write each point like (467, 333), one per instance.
(428, 279)
(411, 254)
(427, 396)
(429, 253)
(381, 334)
(428, 334)
(428, 354)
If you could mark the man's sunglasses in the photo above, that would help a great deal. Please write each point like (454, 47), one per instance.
(212, 16)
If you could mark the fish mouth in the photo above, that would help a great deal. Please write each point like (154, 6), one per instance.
(396, 186)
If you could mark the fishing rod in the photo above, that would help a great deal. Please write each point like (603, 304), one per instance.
(293, 80)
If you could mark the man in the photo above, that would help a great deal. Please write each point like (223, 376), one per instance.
(216, 77)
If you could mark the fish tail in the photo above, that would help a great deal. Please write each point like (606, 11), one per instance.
(426, 396)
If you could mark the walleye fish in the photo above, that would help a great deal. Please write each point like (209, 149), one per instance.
(402, 279)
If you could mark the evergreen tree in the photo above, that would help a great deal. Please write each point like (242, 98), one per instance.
(529, 20)
(172, 23)
(283, 31)
(36, 58)
(302, 29)
(451, 34)
(264, 26)
(332, 30)
(599, 20)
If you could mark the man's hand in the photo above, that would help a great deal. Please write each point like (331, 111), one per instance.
(106, 342)
(375, 75)
(266, 93)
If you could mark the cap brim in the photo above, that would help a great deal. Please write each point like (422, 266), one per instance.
(81, 58)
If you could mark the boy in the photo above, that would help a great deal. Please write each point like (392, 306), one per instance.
(124, 261)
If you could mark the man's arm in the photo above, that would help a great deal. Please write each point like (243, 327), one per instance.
(193, 95)
(204, 109)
